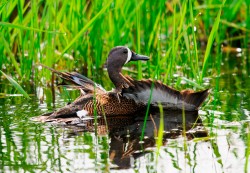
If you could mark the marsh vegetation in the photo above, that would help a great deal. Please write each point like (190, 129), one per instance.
(191, 44)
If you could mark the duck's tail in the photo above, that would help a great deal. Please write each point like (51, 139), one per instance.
(195, 98)
(78, 80)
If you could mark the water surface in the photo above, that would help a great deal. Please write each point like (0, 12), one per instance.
(29, 146)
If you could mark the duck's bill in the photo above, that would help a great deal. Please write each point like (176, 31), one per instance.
(136, 57)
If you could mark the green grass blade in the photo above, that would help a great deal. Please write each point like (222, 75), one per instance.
(3, 3)
(5, 44)
(194, 67)
(16, 85)
(190, 82)
(138, 41)
(147, 113)
(210, 42)
(160, 132)
(84, 29)
(27, 28)
(247, 150)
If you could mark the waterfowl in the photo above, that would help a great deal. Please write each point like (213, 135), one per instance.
(129, 96)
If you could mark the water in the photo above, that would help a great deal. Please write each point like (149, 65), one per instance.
(29, 146)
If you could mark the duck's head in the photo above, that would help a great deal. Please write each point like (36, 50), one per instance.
(120, 55)
(117, 58)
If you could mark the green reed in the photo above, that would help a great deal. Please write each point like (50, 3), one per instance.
(77, 35)
(247, 152)
(179, 37)
(210, 42)
(160, 133)
(69, 34)
(16, 85)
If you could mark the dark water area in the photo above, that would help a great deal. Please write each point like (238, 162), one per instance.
(215, 139)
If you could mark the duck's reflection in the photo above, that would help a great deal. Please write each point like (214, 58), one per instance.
(125, 132)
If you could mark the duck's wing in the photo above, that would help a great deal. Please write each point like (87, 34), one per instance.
(156, 92)
(79, 81)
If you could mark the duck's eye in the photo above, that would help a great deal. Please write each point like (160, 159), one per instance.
(125, 51)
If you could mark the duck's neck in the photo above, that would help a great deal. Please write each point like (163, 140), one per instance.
(117, 78)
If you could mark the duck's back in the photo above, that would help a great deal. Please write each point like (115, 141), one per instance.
(155, 92)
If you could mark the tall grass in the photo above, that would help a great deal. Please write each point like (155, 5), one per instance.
(210, 42)
(77, 35)
(179, 36)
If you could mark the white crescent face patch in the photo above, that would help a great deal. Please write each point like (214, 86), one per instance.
(129, 56)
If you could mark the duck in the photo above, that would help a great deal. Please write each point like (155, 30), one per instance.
(129, 96)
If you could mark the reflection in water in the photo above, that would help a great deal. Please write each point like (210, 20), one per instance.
(125, 145)
(125, 133)
(29, 146)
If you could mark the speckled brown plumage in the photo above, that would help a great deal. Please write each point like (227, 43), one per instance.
(105, 103)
